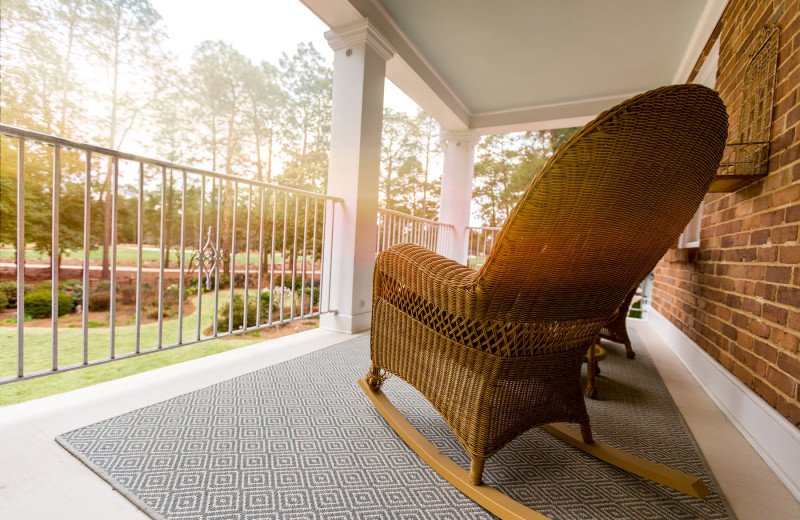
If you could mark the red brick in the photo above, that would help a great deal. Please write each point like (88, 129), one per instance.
(794, 320)
(754, 221)
(790, 155)
(773, 218)
(782, 381)
(787, 195)
(767, 254)
(783, 234)
(744, 375)
(789, 296)
(744, 340)
(754, 272)
(777, 274)
(766, 291)
(785, 340)
(759, 237)
(793, 213)
(757, 365)
(766, 392)
(765, 351)
(728, 331)
(789, 364)
(741, 321)
(759, 328)
(790, 254)
(774, 314)
(733, 301)
(752, 306)
(790, 410)
(726, 361)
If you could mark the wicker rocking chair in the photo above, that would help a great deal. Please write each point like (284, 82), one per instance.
(499, 350)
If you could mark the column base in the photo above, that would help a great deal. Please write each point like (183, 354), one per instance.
(345, 323)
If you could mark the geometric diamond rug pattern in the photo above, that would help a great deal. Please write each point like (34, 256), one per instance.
(300, 440)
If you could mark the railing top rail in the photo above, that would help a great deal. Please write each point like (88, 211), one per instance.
(485, 228)
(412, 217)
(66, 143)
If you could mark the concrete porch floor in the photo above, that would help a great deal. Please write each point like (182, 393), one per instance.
(40, 480)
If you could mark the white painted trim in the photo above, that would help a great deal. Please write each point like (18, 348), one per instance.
(702, 32)
(408, 69)
(770, 434)
(358, 33)
(545, 117)
(337, 322)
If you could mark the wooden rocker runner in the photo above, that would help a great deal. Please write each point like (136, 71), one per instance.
(499, 350)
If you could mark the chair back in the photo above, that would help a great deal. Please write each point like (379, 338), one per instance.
(606, 207)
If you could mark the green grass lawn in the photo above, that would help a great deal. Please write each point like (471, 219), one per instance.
(38, 354)
(635, 313)
(125, 255)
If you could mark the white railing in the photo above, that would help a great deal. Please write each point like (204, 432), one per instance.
(395, 227)
(227, 231)
(479, 244)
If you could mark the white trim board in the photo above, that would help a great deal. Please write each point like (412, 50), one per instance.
(773, 437)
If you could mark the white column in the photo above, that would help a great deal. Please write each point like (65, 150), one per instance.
(359, 69)
(459, 168)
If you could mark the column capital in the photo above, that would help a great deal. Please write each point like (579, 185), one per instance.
(357, 33)
(469, 137)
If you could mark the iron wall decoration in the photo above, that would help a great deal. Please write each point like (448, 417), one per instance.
(750, 153)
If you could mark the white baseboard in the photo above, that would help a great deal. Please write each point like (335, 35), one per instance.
(337, 322)
(770, 434)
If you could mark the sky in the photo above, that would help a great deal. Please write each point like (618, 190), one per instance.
(261, 30)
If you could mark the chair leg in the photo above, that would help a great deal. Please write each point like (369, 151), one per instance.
(586, 432)
(374, 378)
(476, 471)
(629, 350)
(591, 367)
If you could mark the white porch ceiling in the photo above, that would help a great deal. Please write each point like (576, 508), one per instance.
(504, 65)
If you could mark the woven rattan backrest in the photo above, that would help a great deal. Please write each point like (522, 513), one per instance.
(605, 208)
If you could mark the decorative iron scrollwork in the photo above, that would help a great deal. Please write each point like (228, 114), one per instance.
(208, 260)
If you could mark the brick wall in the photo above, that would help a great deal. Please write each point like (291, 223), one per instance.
(740, 298)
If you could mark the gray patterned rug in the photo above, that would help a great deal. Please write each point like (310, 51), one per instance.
(300, 440)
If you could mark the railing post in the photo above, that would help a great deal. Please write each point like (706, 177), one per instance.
(359, 69)
(459, 168)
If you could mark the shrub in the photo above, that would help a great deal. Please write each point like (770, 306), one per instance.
(151, 311)
(74, 288)
(46, 285)
(3, 300)
(296, 286)
(171, 296)
(265, 299)
(238, 314)
(38, 304)
(127, 294)
(100, 300)
(103, 285)
(9, 289)
(315, 296)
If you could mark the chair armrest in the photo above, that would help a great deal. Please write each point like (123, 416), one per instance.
(433, 277)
